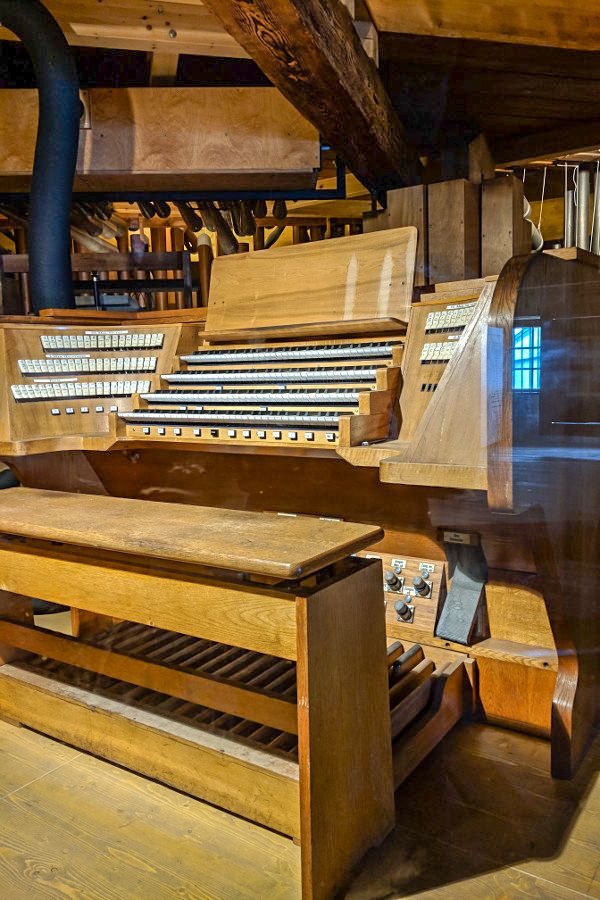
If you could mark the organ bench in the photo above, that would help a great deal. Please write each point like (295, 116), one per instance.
(239, 656)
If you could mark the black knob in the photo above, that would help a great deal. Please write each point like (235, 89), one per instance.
(421, 586)
(392, 580)
(402, 610)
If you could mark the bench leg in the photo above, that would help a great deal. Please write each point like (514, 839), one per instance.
(345, 750)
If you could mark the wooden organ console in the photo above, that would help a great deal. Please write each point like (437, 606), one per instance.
(316, 397)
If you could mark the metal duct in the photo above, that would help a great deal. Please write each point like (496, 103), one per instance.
(55, 151)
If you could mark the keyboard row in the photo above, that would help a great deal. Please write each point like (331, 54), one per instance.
(453, 318)
(232, 417)
(280, 354)
(324, 397)
(440, 352)
(82, 365)
(102, 341)
(274, 376)
(73, 390)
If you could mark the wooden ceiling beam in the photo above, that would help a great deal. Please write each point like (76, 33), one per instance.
(548, 23)
(173, 27)
(570, 137)
(311, 52)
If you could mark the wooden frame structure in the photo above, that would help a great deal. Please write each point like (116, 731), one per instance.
(289, 590)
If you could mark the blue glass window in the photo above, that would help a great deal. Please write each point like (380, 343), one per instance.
(526, 358)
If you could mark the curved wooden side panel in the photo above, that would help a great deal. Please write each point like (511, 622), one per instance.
(499, 382)
(544, 464)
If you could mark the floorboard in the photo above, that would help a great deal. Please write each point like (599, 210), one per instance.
(481, 818)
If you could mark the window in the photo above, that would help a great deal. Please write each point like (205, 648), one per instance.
(526, 358)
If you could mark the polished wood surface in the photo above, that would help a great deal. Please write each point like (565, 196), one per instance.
(318, 330)
(539, 464)
(259, 543)
(406, 207)
(365, 276)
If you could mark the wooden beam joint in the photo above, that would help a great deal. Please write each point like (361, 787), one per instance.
(312, 53)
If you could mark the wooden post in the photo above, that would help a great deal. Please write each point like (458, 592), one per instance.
(503, 228)
(454, 231)
(21, 247)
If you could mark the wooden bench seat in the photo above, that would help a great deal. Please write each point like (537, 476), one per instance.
(264, 544)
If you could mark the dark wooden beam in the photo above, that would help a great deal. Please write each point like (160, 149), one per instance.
(570, 137)
(312, 53)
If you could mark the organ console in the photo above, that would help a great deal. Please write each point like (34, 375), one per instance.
(307, 405)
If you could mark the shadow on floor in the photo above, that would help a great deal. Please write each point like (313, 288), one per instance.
(484, 801)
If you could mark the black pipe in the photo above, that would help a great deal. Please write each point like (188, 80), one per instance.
(55, 151)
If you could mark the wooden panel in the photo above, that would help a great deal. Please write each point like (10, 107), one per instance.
(504, 232)
(370, 327)
(261, 543)
(251, 783)
(454, 231)
(201, 135)
(359, 277)
(405, 207)
(449, 447)
(346, 791)
(298, 485)
(516, 696)
(33, 421)
(235, 615)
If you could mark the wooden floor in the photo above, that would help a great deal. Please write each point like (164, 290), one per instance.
(481, 818)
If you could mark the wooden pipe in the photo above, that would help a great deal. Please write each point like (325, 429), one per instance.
(213, 217)
(205, 260)
(158, 242)
(123, 247)
(279, 209)
(177, 244)
(190, 241)
(139, 246)
(190, 217)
